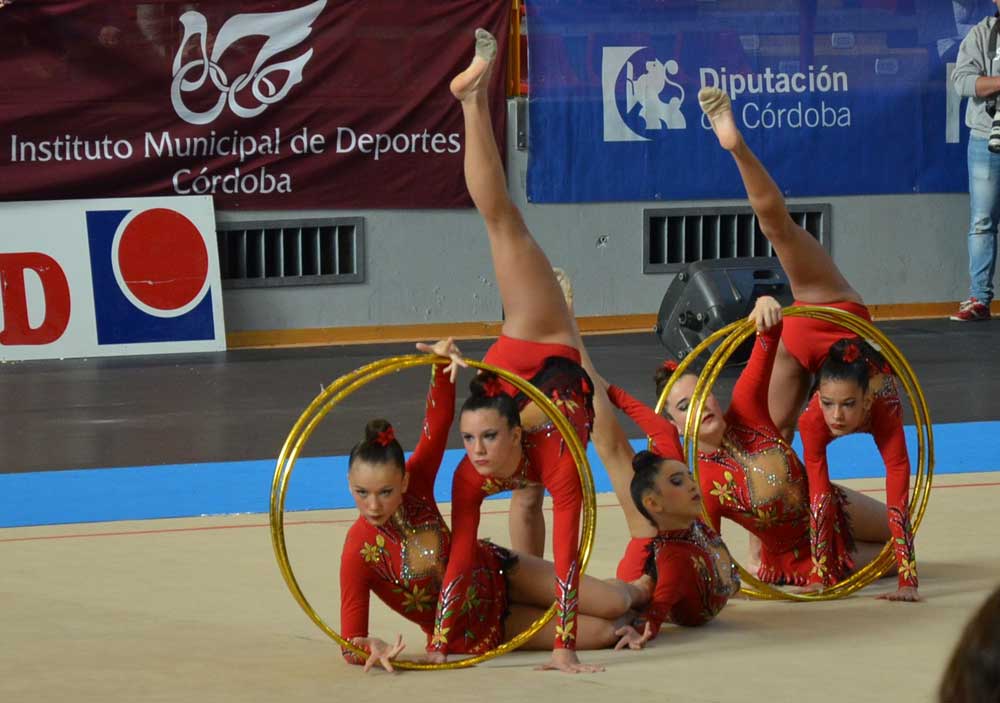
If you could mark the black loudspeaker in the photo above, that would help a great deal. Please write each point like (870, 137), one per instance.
(708, 295)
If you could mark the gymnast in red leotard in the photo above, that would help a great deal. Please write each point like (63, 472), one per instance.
(399, 548)
(693, 573)
(845, 401)
(536, 343)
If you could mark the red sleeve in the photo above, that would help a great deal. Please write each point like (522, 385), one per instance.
(750, 392)
(439, 412)
(633, 563)
(666, 441)
(826, 546)
(355, 594)
(466, 501)
(671, 576)
(887, 430)
(562, 480)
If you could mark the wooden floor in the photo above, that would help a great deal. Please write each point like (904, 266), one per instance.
(196, 610)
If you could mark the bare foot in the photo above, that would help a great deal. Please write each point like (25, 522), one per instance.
(716, 105)
(475, 78)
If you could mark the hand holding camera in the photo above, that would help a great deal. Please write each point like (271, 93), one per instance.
(993, 140)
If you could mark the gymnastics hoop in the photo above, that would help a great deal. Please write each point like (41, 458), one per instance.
(735, 334)
(345, 386)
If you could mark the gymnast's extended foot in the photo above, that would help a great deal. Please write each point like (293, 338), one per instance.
(474, 79)
(716, 105)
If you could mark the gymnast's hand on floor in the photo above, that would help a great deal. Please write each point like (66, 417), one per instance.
(907, 594)
(380, 652)
(766, 313)
(446, 348)
(632, 639)
(566, 661)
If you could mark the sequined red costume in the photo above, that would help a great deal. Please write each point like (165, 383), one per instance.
(885, 424)
(664, 441)
(695, 576)
(404, 560)
(809, 341)
(756, 480)
(693, 570)
(555, 369)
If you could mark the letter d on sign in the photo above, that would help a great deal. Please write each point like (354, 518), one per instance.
(55, 288)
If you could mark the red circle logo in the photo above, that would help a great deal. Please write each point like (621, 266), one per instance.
(162, 259)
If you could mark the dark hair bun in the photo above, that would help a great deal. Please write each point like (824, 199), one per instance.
(645, 460)
(376, 427)
(379, 445)
(486, 384)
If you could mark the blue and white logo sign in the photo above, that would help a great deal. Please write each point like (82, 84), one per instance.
(614, 114)
(641, 102)
(152, 277)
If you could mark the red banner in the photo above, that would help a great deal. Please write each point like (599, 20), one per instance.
(263, 105)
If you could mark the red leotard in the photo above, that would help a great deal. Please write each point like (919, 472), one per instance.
(756, 480)
(403, 561)
(809, 340)
(633, 563)
(695, 576)
(524, 358)
(545, 460)
(665, 442)
(885, 424)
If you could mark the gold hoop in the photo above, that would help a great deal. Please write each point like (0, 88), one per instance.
(345, 386)
(738, 332)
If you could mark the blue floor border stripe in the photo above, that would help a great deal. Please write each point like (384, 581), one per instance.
(185, 490)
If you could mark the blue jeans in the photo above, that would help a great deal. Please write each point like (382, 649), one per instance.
(984, 203)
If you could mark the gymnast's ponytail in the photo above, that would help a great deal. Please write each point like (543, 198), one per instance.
(646, 466)
(379, 446)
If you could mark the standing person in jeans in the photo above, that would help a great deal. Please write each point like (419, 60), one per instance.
(977, 77)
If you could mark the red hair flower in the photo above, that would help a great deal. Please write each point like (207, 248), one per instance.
(385, 437)
(670, 365)
(492, 387)
(851, 353)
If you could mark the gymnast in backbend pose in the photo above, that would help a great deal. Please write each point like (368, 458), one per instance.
(693, 572)
(504, 451)
(399, 549)
(856, 390)
(748, 472)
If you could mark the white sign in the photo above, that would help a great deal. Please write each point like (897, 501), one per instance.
(109, 277)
